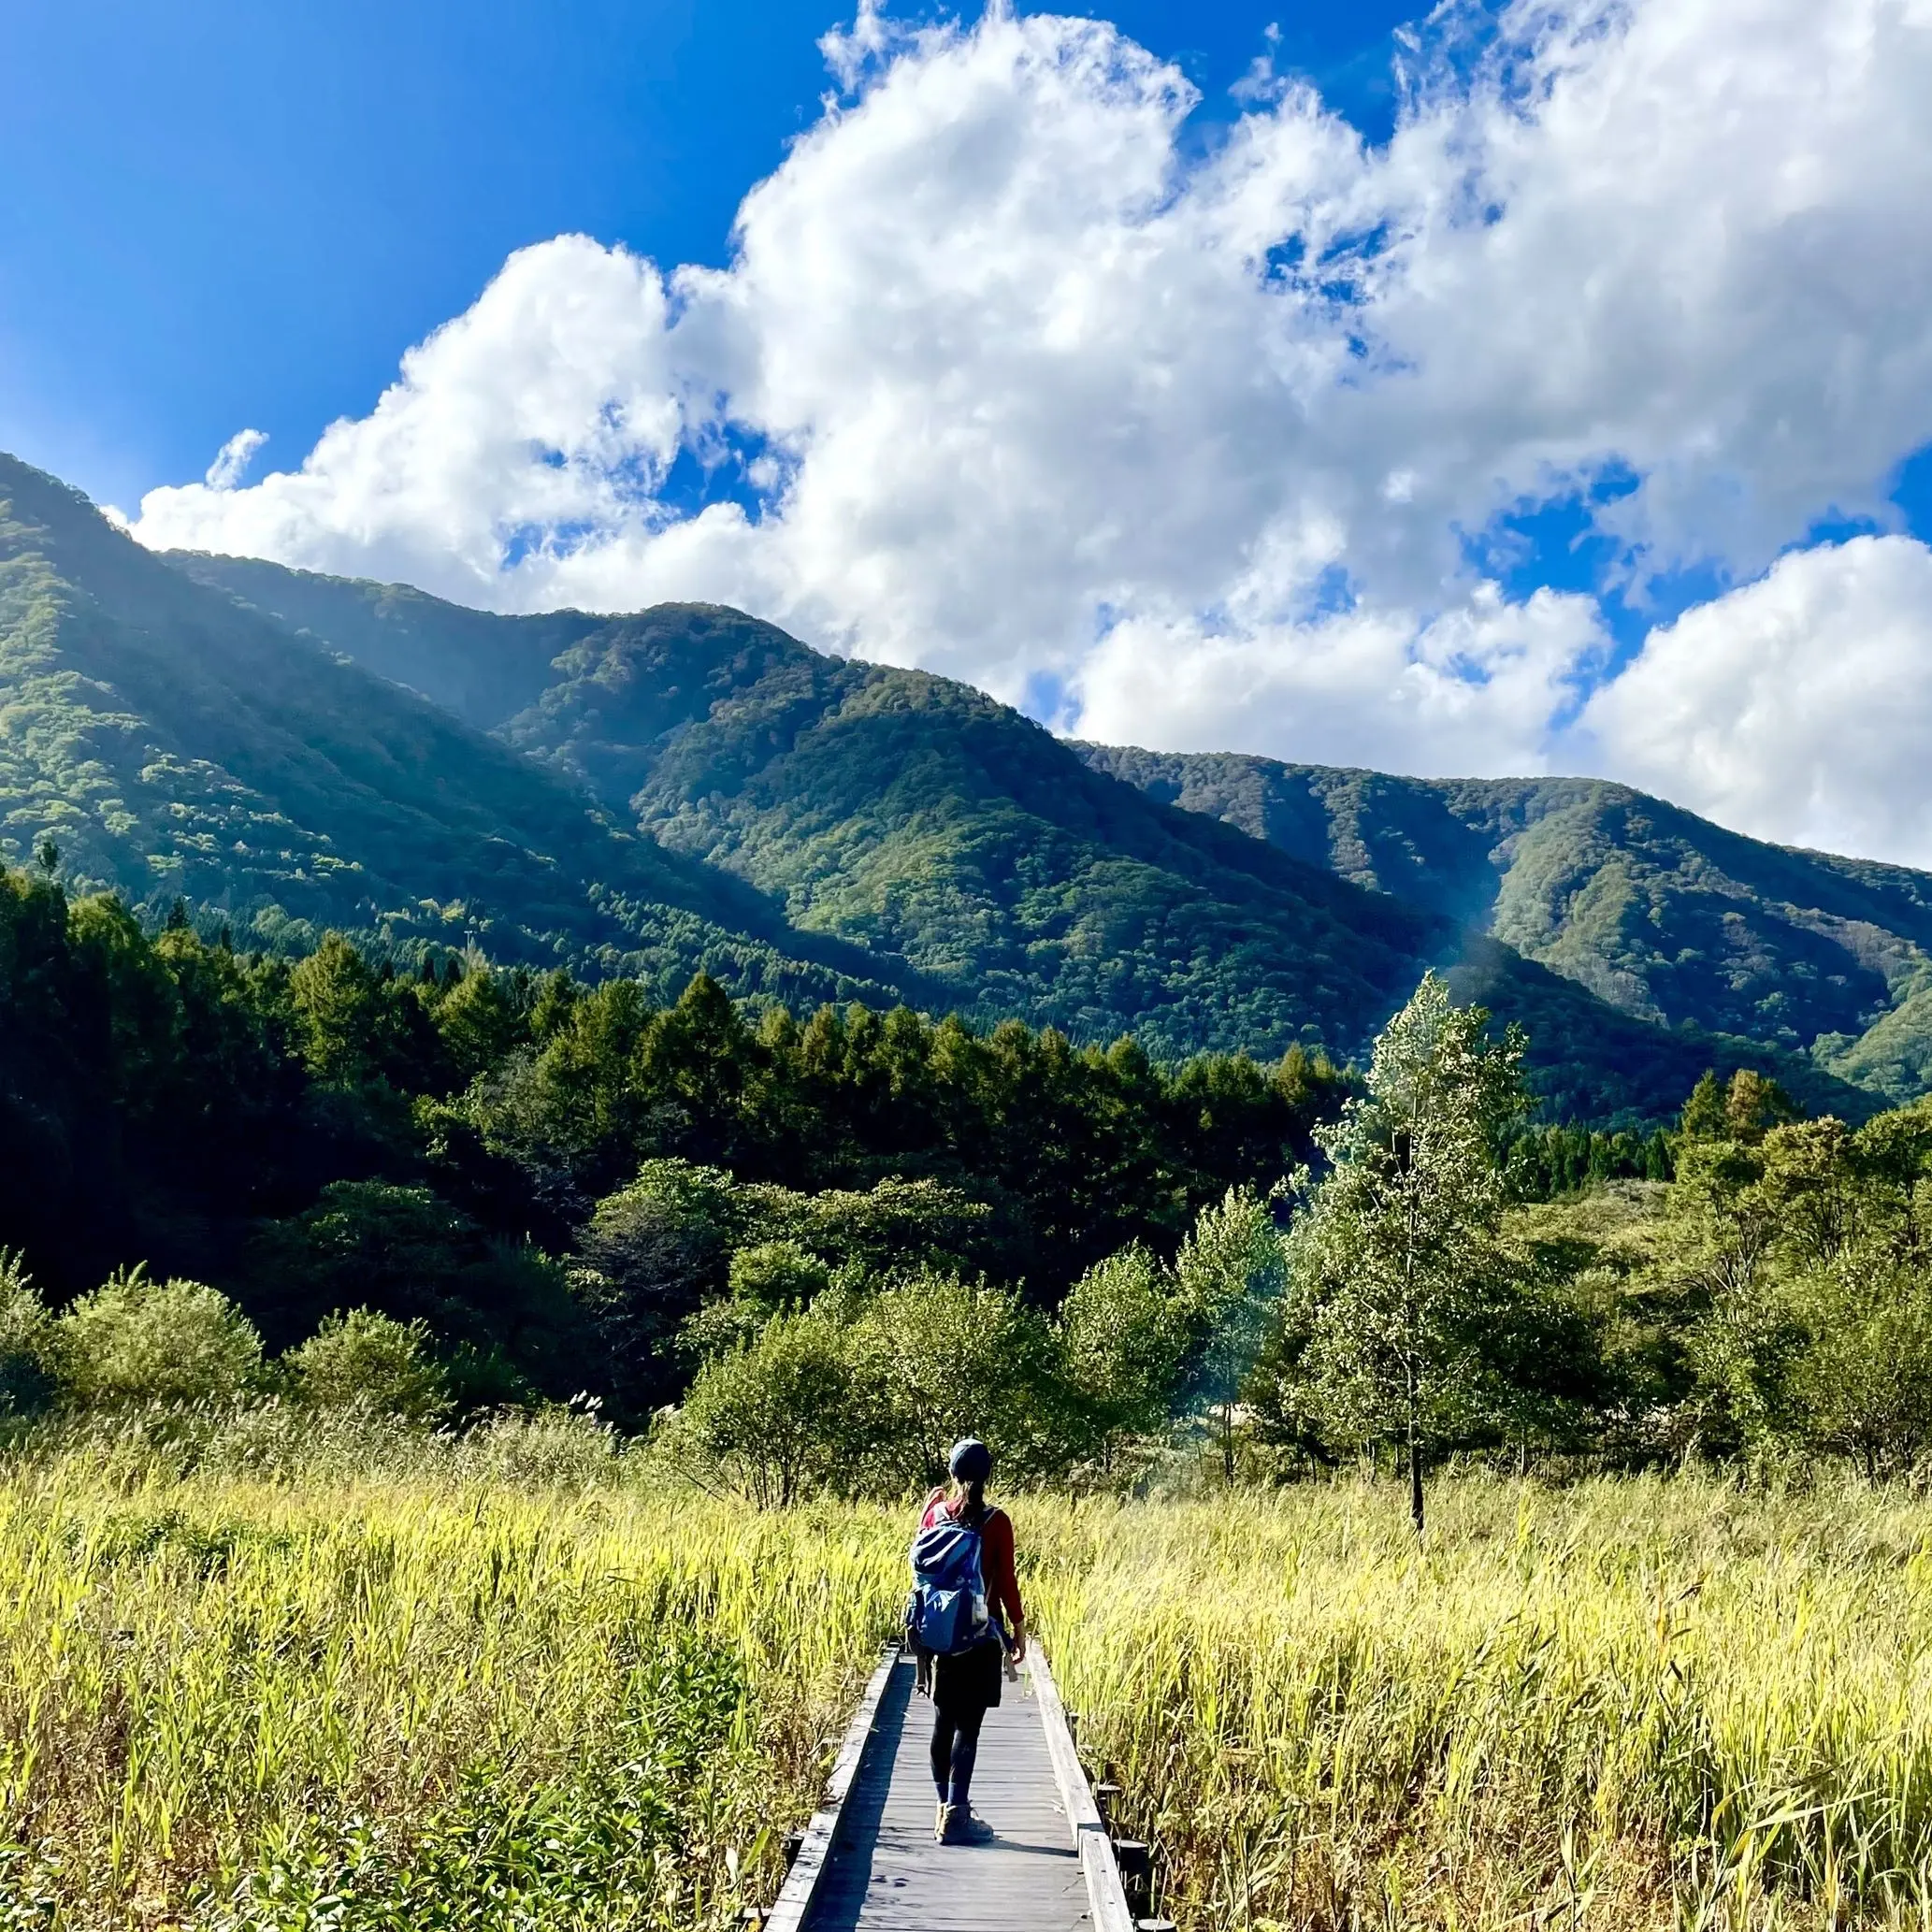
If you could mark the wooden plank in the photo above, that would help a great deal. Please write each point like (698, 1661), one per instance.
(887, 1873)
(1105, 1895)
(808, 1868)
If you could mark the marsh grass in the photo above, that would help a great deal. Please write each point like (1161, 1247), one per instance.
(521, 1682)
(1632, 1701)
(243, 1702)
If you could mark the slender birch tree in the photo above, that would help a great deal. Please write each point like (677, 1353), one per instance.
(1398, 1286)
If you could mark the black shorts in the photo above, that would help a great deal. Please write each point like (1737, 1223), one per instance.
(968, 1680)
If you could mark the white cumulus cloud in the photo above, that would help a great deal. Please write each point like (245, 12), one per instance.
(1799, 706)
(1471, 690)
(542, 415)
(1027, 386)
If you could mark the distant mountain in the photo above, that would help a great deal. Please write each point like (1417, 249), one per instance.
(1661, 914)
(173, 742)
(946, 836)
(903, 814)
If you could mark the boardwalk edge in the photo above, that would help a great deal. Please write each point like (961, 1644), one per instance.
(1105, 1895)
(793, 1901)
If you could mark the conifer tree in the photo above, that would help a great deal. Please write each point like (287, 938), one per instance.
(1399, 1285)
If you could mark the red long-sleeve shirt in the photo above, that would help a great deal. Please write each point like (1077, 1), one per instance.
(995, 1558)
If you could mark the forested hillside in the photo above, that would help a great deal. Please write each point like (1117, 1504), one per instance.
(950, 838)
(687, 788)
(523, 1185)
(171, 743)
(1659, 913)
(905, 813)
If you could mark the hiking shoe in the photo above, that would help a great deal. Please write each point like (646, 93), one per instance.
(962, 1828)
(939, 1821)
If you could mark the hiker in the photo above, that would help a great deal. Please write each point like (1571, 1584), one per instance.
(967, 1614)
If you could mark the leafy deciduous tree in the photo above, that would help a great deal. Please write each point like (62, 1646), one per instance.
(1229, 1275)
(1123, 1336)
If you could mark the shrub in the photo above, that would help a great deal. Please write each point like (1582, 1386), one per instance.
(730, 1322)
(777, 1275)
(866, 1393)
(27, 1381)
(563, 1445)
(367, 1360)
(137, 1340)
(784, 1416)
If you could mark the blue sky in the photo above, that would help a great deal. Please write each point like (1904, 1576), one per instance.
(1146, 367)
(220, 212)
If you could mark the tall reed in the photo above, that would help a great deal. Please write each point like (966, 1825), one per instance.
(1637, 1700)
(514, 1681)
(245, 1703)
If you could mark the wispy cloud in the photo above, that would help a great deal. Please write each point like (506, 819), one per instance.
(232, 458)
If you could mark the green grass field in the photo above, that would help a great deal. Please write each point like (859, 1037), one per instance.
(1634, 1701)
(465, 1693)
(420, 1700)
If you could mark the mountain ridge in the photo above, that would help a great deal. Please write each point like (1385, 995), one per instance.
(171, 742)
(905, 812)
(689, 787)
(1662, 914)
(814, 779)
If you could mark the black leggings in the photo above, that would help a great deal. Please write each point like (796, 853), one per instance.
(955, 1750)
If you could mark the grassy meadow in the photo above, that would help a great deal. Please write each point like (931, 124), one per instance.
(1633, 1701)
(513, 1683)
(432, 1699)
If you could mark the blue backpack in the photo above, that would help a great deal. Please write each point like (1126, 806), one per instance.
(947, 1611)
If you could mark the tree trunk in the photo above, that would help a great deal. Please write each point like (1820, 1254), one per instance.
(1415, 1457)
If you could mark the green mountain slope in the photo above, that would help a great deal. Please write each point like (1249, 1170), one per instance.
(1660, 913)
(911, 816)
(172, 742)
(914, 818)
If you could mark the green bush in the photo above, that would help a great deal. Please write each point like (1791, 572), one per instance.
(27, 1378)
(137, 1340)
(785, 1415)
(562, 1445)
(771, 1277)
(896, 1224)
(365, 1360)
(775, 1274)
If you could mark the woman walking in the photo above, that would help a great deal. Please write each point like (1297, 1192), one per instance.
(966, 1681)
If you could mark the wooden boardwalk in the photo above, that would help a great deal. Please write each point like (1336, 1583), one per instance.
(875, 1866)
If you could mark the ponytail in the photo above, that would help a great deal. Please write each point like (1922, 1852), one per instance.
(971, 1497)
